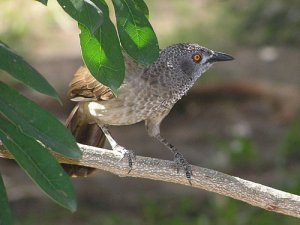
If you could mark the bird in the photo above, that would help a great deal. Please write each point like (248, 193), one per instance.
(148, 94)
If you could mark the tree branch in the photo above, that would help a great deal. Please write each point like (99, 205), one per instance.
(164, 170)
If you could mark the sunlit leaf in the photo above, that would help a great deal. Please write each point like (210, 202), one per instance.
(136, 33)
(84, 12)
(101, 52)
(39, 164)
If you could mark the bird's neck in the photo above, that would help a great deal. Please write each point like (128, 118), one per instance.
(180, 89)
(181, 84)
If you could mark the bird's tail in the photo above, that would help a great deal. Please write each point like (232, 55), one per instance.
(84, 133)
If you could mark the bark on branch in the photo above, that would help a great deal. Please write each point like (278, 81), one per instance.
(252, 193)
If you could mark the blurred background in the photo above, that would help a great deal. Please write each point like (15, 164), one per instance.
(241, 118)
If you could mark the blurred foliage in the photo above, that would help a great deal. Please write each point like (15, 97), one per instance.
(22, 24)
(240, 150)
(240, 23)
(230, 23)
(215, 209)
(17, 29)
(290, 150)
(266, 22)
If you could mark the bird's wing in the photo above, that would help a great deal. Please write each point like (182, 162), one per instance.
(84, 87)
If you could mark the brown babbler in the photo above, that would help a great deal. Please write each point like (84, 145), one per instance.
(147, 94)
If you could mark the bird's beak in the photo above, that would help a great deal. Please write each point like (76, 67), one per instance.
(219, 56)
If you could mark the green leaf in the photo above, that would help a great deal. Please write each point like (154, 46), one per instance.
(5, 214)
(136, 34)
(141, 5)
(101, 52)
(84, 12)
(45, 2)
(37, 122)
(22, 71)
(39, 164)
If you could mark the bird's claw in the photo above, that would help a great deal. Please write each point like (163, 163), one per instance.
(128, 154)
(182, 163)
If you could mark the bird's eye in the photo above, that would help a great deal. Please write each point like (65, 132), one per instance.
(196, 57)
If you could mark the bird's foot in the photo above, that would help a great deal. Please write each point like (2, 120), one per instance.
(182, 163)
(126, 154)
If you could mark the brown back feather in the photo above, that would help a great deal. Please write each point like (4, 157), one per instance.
(84, 87)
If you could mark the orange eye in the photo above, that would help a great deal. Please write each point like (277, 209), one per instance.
(196, 57)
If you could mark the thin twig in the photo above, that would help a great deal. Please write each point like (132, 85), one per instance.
(149, 168)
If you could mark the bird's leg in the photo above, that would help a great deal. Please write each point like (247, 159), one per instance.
(153, 129)
(118, 148)
(180, 161)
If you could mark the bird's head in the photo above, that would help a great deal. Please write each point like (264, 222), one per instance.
(191, 60)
